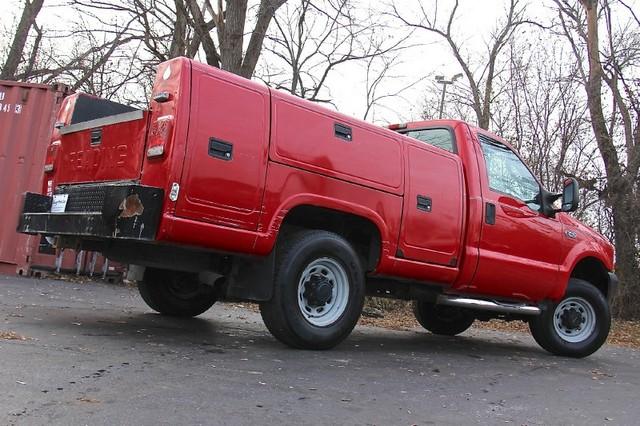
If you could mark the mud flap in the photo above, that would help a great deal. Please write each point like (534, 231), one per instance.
(252, 278)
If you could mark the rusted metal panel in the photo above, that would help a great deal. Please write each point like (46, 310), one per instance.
(27, 114)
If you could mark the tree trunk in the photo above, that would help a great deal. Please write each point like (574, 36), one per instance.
(624, 216)
(265, 14)
(27, 20)
(231, 35)
(620, 194)
(178, 45)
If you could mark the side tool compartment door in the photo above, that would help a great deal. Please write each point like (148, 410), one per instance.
(432, 216)
(226, 155)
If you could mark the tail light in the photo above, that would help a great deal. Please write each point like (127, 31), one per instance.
(159, 136)
(52, 155)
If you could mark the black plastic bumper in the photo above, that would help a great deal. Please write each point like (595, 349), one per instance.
(104, 211)
(612, 287)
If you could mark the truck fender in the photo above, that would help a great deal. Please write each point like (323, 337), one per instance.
(298, 200)
(578, 253)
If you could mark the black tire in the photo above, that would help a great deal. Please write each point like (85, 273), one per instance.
(175, 293)
(283, 314)
(441, 319)
(577, 326)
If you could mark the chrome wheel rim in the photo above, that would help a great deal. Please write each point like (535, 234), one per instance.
(574, 320)
(323, 292)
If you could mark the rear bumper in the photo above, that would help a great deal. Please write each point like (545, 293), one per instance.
(97, 211)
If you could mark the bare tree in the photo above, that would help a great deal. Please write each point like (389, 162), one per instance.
(171, 28)
(16, 54)
(380, 76)
(457, 102)
(608, 73)
(311, 38)
(482, 83)
(545, 114)
(86, 54)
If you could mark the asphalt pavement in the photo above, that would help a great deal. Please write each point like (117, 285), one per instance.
(95, 354)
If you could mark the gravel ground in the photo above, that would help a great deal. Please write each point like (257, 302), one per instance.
(90, 353)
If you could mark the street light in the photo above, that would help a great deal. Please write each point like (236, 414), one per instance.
(440, 79)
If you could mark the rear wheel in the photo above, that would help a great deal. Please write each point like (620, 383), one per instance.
(441, 319)
(175, 293)
(577, 326)
(318, 291)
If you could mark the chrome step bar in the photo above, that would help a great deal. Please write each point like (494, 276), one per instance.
(488, 305)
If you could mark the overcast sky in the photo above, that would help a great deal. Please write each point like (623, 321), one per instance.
(475, 20)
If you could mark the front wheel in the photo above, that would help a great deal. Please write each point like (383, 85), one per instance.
(441, 319)
(318, 291)
(577, 326)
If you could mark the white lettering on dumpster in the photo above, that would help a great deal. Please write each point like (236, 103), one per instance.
(14, 108)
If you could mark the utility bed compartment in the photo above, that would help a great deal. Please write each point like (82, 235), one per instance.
(334, 144)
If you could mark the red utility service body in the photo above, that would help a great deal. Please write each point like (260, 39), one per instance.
(233, 158)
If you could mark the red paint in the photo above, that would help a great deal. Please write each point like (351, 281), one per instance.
(174, 78)
(225, 191)
(117, 157)
(286, 153)
(304, 137)
(434, 236)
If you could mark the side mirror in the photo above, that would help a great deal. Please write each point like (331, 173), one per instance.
(570, 195)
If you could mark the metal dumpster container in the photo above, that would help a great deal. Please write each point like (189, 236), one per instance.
(27, 117)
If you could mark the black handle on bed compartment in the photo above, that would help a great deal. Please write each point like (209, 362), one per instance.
(343, 132)
(424, 203)
(220, 149)
(96, 137)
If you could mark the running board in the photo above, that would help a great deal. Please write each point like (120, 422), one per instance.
(488, 305)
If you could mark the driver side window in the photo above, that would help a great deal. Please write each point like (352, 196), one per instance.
(508, 174)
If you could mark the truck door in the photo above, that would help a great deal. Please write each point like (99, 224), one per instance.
(519, 250)
(432, 217)
(225, 161)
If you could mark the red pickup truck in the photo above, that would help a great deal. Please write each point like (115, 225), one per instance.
(227, 189)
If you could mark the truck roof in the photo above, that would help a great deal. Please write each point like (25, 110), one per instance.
(447, 123)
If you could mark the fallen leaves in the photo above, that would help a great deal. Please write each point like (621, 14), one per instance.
(88, 400)
(398, 315)
(623, 333)
(11, 335)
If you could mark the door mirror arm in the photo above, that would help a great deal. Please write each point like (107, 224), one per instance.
(546, 200)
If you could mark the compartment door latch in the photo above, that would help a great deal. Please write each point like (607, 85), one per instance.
(220, 149)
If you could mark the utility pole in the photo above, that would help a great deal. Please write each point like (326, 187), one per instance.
(440, 79)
